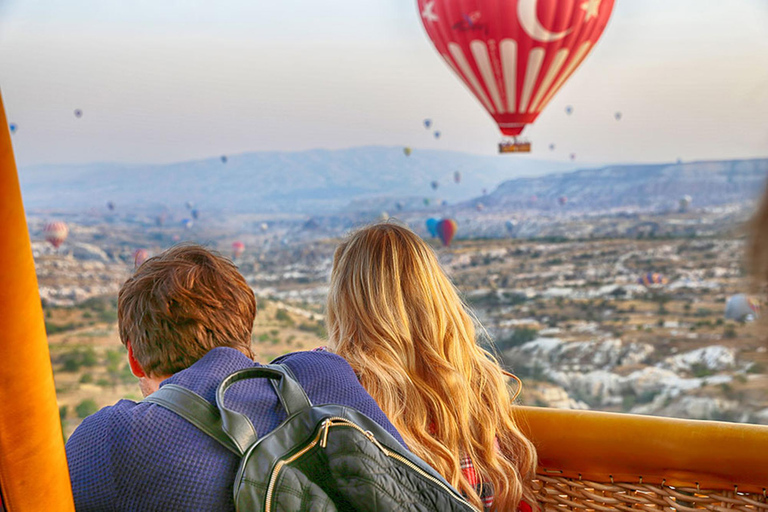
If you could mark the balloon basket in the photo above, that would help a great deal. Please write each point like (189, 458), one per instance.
(514, 146)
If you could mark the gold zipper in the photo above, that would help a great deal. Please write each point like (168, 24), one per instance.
(322, 438)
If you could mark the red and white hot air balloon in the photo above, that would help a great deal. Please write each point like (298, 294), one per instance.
(140, 256)
(514, 55)
(238, 248)
(55, 233)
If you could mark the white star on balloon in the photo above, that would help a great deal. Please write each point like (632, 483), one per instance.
(428, 12)
(592, 7)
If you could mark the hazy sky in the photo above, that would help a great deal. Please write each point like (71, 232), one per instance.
(164, 80)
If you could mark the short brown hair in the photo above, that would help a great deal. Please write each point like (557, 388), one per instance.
(181, 304)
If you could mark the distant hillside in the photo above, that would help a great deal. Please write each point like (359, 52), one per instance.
(306, 181)
(644, 186)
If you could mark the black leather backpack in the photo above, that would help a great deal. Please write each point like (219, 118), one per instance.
(321, 458)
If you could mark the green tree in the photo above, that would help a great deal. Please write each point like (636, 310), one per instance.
(86, 408)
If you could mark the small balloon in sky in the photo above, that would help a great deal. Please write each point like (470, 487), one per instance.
(569, 110)
(427, 123)
(78, 113)
(573, 156)
(551, 147)
(617, 115)
(437, 135)
(224, 159)
(13, 127)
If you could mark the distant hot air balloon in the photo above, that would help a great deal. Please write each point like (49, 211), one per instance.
(569, 110)
(510, 225)
(652, 280)
(189, 205)
(437, 135)
(399, 205)
(551, 147)
(139, 257)
(562, 200)
(195, 214)
(110, 206)
(407, 151)
(446, 230)
(617, 115)
(238, 248)
(485, 191)
(684, 203)
(56, 233)
(741, 308)
(13, 127)
(78, 113)
(457, 177)
(264, 226)
(426, 201)
(187, 223)
(480, 207)
(224, 159)
(444, 202)
(427, 123)
(514, 56)
(573, 156)
(434, 185)
(383, 216)
(432, 226)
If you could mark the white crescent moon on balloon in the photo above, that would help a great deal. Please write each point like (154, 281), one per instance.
(529, 20)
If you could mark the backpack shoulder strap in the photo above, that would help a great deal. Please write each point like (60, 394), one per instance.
(196, 410)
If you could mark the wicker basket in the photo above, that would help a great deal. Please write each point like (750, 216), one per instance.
(606, 462)
(559, 493)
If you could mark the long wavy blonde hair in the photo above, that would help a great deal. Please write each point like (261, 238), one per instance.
(396, 318)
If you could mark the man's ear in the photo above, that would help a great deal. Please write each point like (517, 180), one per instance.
(136, 368)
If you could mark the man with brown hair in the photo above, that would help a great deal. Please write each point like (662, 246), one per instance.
(186, 317)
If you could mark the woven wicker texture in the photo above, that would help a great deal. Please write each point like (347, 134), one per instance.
(558, 493)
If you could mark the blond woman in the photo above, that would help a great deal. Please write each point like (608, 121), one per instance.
(399, 322)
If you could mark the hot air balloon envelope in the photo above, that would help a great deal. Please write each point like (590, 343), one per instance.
(740, 307)
(13, 127)
(446, 230)
(407, 151)
(238, 248)
(652, 280)
(457, 177)
(437, 135)
(427, 123)
(139, 257)
(432, 226)
(78, 113)
(224, 159)
(434, 185)
(514, 56)
(56, 233)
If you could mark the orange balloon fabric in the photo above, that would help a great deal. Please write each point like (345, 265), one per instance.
(33, 465)
(598, 446)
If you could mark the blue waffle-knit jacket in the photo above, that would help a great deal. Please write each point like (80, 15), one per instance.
(135, 456)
